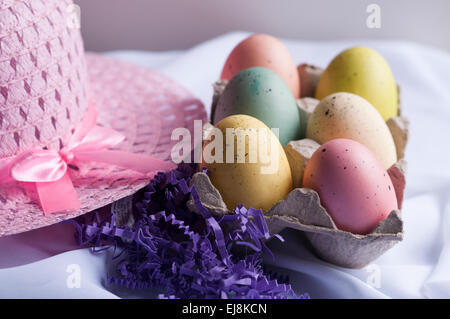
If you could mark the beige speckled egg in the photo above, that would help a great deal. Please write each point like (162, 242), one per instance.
(259, 182)
(346, 115)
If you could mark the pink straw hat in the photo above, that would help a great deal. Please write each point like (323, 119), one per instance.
(77, 131)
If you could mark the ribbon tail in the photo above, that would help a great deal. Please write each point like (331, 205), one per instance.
(138, 162)
(58, 197)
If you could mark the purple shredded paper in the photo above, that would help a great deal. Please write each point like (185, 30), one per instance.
(189, 255)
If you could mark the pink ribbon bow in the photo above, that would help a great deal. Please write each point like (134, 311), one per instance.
(48, 169)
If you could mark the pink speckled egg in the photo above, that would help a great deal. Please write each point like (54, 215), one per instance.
(352, 184)
(265, 51)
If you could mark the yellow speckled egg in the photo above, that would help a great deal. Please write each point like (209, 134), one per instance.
(347, 115)
(247, 168)
(363, 71)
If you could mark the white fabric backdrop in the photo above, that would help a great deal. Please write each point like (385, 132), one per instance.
(35, 264)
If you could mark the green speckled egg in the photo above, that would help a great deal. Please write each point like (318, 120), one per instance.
(261, 93)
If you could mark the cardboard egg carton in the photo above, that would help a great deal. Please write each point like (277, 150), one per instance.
(301, 209)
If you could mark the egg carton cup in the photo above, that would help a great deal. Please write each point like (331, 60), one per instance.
(301, 209)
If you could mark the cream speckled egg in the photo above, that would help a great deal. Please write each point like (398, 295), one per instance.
(347, 115)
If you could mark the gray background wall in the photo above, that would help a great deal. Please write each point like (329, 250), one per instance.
(179, 24)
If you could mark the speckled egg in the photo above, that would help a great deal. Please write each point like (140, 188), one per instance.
(363, 71)
(346, 115)
(247, 177)
(261, 93)
(352, 184)
(265, 51)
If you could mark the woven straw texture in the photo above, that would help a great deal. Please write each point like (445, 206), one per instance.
(46, 81)
(43, 86)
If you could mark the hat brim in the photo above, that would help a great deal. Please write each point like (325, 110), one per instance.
(143, 105)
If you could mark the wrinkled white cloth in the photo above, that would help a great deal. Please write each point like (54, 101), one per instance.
(42, 263)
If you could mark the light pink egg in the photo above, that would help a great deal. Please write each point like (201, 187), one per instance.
(352, 184)
(265, 51)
